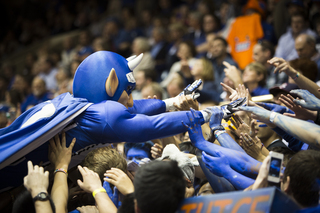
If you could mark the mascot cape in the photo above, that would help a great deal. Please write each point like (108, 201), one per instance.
(100, 81)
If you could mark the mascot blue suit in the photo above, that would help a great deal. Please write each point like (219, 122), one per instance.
(101, 110)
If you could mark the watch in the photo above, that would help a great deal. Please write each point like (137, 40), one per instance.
(42, 196)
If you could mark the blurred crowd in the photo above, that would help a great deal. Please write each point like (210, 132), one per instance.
(263, 50)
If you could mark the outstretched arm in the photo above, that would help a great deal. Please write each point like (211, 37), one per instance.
(303, 130)
(239, 161)
(302, 81)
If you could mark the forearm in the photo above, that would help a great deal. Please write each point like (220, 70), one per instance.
(302, 130)
(293, 142)
(305, 83)
(239, 181)
(148, 107)
(41, 206)
(104, 203)
(59, 192)
(227, 141)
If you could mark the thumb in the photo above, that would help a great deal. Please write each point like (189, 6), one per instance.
(80, 183)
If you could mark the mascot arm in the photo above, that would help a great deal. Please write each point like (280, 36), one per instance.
(148, 107)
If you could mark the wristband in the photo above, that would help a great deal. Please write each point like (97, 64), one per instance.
(98, 191)
(297, 76)
(60, 170)
(216, 128)
(273, 115)
(219, 132)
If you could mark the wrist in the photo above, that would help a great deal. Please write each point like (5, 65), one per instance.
(35, 192)
(97, 191)
(62, 166)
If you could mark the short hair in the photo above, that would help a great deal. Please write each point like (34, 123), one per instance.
(307, 67)
(191, 46)
(23, 203)
(207, 72)
(267, 45)
(187, 147)
(260, 70)
(104, 158)
(224, 41)
(301, 14)
(159, 187)
(304, 172)
(149, 74)
(143, 44)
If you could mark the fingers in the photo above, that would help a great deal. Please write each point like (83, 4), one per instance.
(63, 139)
(287, 101)
(227, 87)
(30, 167)
(52, 144)
(80, 183)
(81, 170)
(226, 64)
(57, 141)
(72, 143)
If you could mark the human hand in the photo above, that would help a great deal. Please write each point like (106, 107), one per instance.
(258, 113)
(194, 130)
(91, 180)
(185, 102)
(282, 65)
(299, 111)
(88, 209)
(216, 117)
(37, 180)
(275, 107)
(253, 147)
(232, 73)
(59, 154)
(309, 100)
(242, 127)
(218, 165)
(118, 178)
(262, 178)
(156, 150)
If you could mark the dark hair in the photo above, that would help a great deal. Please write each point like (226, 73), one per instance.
(267, 45)
(146, 146)
(187, 147)
(307, 67)
(101, 159)
(304, 172)
(225, 43)
(301, 14)
(149, 74)
(159, 187)
(23, 203)
(191, 46)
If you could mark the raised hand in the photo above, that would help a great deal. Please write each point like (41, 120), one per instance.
(309, 100)
(299, 111)
(232, 73)
(216, 117)
(241, 126)
(37, 180)
(119, 179)
(275, 107)
(262, 179)
(59, 154)
(194, 130)
(156, 150)
(185, 102)
(91, 180)
(253, 147)
(282, 65)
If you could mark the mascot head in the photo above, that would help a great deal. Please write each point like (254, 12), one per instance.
(106, 75)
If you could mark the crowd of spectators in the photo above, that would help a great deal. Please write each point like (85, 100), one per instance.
(261, 49)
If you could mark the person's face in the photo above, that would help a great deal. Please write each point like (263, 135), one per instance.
(38, 87)
(173, 90)
(250, 76)
(126, 99)
(303, 49)
(197, 68)
(297, 24)
(259, 55)
(183, 51)
(218, 48)
(264, 132)
(209, 24)
(147, 91)
(137, 154)
(140, 80)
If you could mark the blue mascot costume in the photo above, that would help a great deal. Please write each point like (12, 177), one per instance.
(101, 110)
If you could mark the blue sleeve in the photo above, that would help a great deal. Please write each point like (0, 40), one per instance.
(121, 125)
(148, 107)
(294, 143)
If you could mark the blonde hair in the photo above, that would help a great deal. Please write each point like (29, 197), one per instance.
(207, 72)
(260, 70)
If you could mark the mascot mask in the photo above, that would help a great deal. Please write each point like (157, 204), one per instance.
(104, 75)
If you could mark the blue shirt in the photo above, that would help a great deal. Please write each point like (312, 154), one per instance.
(259, 91)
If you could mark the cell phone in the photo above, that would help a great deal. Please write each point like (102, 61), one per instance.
(275, 166)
